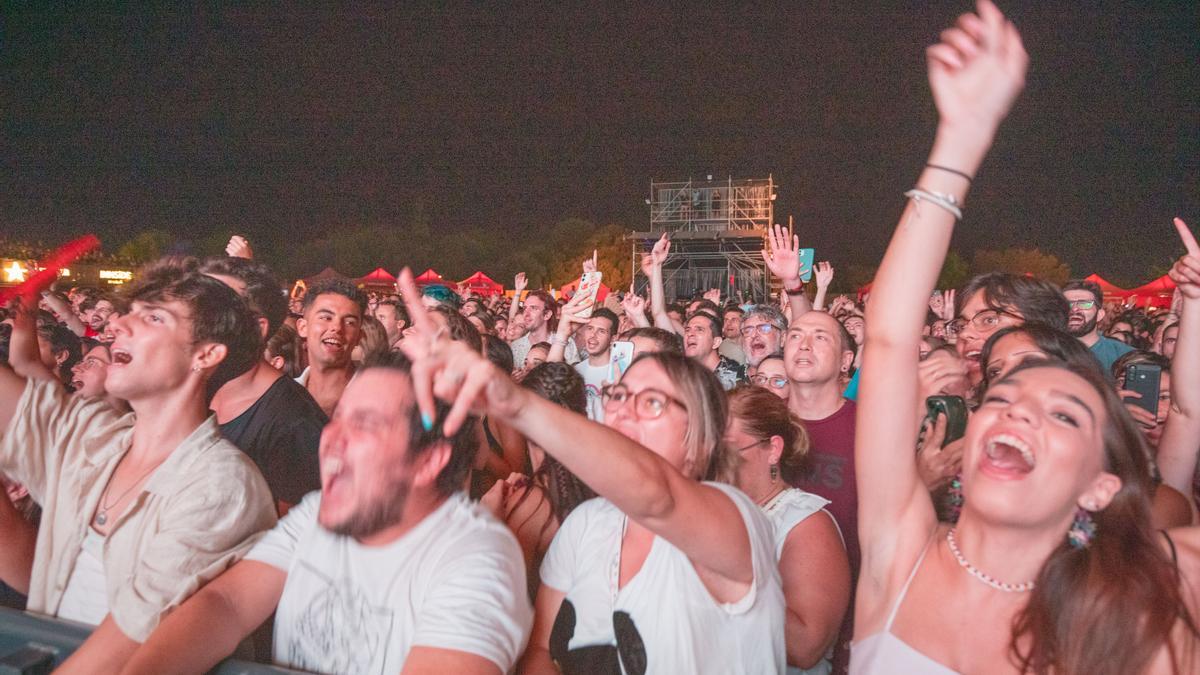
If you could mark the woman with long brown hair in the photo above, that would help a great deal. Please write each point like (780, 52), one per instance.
(765, 441)
(1053, 566)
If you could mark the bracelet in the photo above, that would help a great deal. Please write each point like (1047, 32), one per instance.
(795, 291)
(556, 339)
(947, 202)
(947, 169)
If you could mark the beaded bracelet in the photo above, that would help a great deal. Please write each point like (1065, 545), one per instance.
(947, 202)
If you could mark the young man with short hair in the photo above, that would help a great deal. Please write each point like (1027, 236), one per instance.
(1086, 301)
(390, 568)
(537, 315)
(168, 503)
(731, 334)
(391, 314)
(598, 335)
(702, 340)
(331, 327)
(272, 418)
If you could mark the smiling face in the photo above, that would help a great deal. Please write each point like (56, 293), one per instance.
(366, 473)
(152, 350)
(813, 351)
(980, 321)
(1034, 450)
(331, 328)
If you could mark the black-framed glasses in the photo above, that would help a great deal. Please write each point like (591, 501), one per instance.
(984, 320)
(772, 381)
(747, 447)
(647, 404)
(762, 328)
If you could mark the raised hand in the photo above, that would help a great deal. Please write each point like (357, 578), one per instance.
(448, 370)
(633, 304)
(1186, 271)
(713, 295)
(520, 283)
(782, 256)
(948, 305)
(824, 274)
(589, 264)
(978, 69)
(239, 247)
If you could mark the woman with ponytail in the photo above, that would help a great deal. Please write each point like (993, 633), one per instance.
(763, 442)
(1053, 566)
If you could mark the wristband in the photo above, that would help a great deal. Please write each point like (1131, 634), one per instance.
(556, 339)
(795, 291)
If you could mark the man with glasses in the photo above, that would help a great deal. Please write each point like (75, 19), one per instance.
(1086, 301)
(997, 300)
(762, 334)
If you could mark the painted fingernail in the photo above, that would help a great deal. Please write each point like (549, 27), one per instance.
(426, 421)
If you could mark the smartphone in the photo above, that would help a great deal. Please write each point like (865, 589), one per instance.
(806, 264)
(955, 410)
(620, 356)
(1145, 379)
(589, 286)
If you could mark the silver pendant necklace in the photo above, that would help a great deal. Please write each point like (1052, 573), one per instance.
(102, 514)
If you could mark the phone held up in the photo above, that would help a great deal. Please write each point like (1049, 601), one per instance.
(1145, 379)
(955, 410)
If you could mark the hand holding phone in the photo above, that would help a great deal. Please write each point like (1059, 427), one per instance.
(1144, 379)
(588, 289)
(620, 356)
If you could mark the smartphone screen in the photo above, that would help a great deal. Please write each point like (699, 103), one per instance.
(1144, 378)
(806, 264)
(619, 359)
(589, 286)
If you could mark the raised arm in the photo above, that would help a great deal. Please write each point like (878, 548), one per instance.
(568, 323)
(652, 264)
(637, 481)
(23, 353)
(1180, 442)
(824, 278)
(514, 308)
(63, 309)
(975, 73)
(782, 257)
(635, 308)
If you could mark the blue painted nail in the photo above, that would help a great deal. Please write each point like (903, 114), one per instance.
(427, 421)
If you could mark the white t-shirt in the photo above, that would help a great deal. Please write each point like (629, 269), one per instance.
(787, 510)
(455, 581)
(86, 597)
(684, 629)
(594, 378)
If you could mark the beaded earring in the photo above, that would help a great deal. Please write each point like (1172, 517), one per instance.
(774, 472)
(1083, 529)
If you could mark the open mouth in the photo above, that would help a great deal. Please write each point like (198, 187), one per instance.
(1010, 453)
(334, 344)
(77, 384)
(120, 357)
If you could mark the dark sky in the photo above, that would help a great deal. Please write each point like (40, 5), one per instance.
(279, 121)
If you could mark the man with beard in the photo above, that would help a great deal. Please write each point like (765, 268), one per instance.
(388, 568)
(1087, 310)
(331, 327)
(762, 334)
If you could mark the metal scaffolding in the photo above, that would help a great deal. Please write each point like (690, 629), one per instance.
(717, 230)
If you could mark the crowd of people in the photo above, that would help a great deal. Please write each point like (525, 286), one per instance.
(925, 481)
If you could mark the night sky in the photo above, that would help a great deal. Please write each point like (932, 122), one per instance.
(279, 121)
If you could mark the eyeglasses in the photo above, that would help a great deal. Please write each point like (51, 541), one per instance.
(1082, 304)
(772, 381)
(648, 404)
(762, 328)
(985, 320)
(747, 447)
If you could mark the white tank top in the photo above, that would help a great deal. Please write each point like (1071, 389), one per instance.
(86, 598)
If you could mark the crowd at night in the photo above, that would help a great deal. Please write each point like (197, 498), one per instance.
(213, 464)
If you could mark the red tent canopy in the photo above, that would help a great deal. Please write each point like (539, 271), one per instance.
(379, 278)
(569, 290)
(481, 284)
(1157, 293)
(429, 277)
(1106, 287)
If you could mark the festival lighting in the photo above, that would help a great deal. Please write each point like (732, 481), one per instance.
(14, 273)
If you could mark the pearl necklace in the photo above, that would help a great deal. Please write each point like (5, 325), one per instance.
(973, 571)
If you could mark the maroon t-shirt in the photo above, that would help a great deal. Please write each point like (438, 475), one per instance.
(831, 455)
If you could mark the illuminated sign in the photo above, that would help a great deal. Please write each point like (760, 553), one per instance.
(64, 272)
(116, 276)
(14, 273)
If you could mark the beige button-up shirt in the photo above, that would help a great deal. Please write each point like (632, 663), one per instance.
(199, 512)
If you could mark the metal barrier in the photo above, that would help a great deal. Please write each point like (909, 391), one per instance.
(32, 645)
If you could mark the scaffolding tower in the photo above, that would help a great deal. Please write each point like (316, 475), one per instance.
(717, 231)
